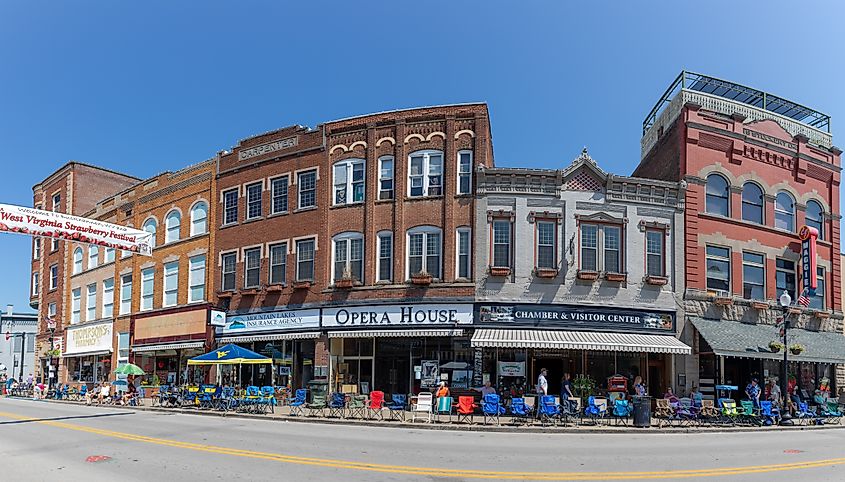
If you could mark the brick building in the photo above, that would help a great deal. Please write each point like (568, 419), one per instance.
(757, 168)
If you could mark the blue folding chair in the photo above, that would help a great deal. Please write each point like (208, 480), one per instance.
(297, 405)
(549, 410)
(622, 410)
(83, 391)
(594, 412)
(268, 399)
(227, 400)
(337, 405)
(804, 414)
(396, 407)
(769, 414)
(520, 411)
(491, 407)
(208, 396)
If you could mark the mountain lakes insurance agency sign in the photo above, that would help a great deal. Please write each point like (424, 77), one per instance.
(398, 316)
(575, 317)
(89, 339)
(286, 320)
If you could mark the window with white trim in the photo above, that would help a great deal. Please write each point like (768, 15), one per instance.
(814, 217)
(385, 177)
(126, 294)
(147, 286)
(463, 246)
(122, 348)
(253, 200)
(252, 267)
(91, 302)
(601, 247)
(753, 276)
(785, 277)
(109, 256)
(51, 310)
(424, 251)
(230, 206)
(35, 283)
(501, 235)
(228, 262)
(199, 218)
(36, 249)
(75, 305)
(279, 191)
(464, 172)
(718, 269)
(108, 298)
(425, 173)
(655, 252)
(196, 279)
(785, 211)
(54, 245)
(57, 202)
(171, 284)
(817, 302)
(77, 260)
(348, 256)
(278, 263)
(752, 203)
(348, 181)
(150, 227)
(546, 244)
(306, 186)
(93, 256)
(54, 276)
(384, 270)
(717, 195)
(305, 260)
(172, 224)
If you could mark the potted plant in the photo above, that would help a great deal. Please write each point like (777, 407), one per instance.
(775, 346)
(422, 278)
(584, 386)
(796, 349)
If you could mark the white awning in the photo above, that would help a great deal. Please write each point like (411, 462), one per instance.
(169, 346)
(269, 337)
(579, 340)
(90, 353)
(395, 333)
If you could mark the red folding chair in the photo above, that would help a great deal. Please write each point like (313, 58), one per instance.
(466, 409)
(376, 404)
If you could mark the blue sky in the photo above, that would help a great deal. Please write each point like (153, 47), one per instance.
(144, 87)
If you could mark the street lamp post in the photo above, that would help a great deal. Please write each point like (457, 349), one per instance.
(785, 302)
(51, 327)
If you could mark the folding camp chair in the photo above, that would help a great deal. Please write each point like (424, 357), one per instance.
(251, 401)
(376, 405)
(769, 414)
(596, 409)
(804, 415)
(549, 410)
(730, 414)
(622, 410)
(357, 406)
(297, 405)
(686, 412)
(208, 395)
(749, 413)
(491, 407)
(397, 406)
(466, 409)
(834, 412)
(708, 412)
(444, 407)
(421, 406)
(337, 405)
(317, 405)
(521, 412)
(81, 393)
(226, 401)
(268, 399)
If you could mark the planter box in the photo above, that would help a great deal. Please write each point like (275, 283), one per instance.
(499, 271)
(275, 287)
(822, 315)
(587, 275)
(249, 291)
(723, 300)
(760, 305)
(344, 283)
(793, 310)
(224, 294)
(421, 280)
(302, 285)
(617, 277)
(547, 273)
(656, 280)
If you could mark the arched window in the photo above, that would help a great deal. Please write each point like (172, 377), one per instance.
(814, 217)
(172, 223)
(752, 203)
(199, 218)
(716, 201)
(77, 260)
(150, 227)
(93, 256)
(785, 211)
(424, 251)
(348, 257)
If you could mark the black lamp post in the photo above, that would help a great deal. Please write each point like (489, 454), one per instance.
(51, 327)
(785, 302)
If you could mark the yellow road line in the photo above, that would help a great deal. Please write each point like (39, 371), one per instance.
(433, 471)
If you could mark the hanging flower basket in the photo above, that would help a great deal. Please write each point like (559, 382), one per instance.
(776, 346)
(796, 349)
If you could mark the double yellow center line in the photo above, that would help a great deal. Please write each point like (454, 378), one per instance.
(434, 471)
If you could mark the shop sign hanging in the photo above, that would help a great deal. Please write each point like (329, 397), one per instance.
(89, 338)
(273, 321)
(430, 373)
(574, 317)
(809, 265)
(511, 369)
(399, 316)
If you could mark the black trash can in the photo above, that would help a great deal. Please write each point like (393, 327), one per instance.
(642, 411)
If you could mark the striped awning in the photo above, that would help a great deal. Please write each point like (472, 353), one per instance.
(579, 340)
(169, 346)
(396, 333)
(269, 337)
(90, 353)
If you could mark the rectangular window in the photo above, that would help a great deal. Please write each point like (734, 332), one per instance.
(435, 175)
(601, 248)
(718, 269)
(307, 188)
(54, 245)
(416, 177)
(547, 244)
(785, 278)
(91, 302)
(93, 256)
(349, 177)
(35, 284)
(654, 246)
(464, 172)
(125, 294)
(753, 276)
(30, 343)
(36, 248)
(425, 174)
(253, 200)
(122, 348)
(305, 260)
(252, 267)
(54, 276)
(51, 310)
(817, 302)
(385, 178)
(108, 298)
(171, 284)
(464, 255)
(589, 247)
(230, 206)
(228, 261)
(385, 257)
(348, 258)
(278, 263)
(109, 255)
(147, 286)
(502, 243)
(612, 247)
(57, 202)
(424, 253)
(196, 279)
(279, 188)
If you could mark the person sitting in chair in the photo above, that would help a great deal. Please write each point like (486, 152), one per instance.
(90, 395)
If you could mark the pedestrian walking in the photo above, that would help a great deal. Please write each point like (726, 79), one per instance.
(542, 383)
(752, 391)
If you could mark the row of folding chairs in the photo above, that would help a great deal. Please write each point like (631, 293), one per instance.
(259, 400)
(342, 405)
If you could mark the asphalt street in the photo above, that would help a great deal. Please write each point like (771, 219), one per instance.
(47, 441)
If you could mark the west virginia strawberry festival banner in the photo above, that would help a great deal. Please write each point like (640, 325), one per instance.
(49, 224)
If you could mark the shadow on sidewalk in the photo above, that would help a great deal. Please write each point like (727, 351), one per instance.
(69, 417)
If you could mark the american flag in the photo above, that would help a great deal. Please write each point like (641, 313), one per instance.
(803, 300)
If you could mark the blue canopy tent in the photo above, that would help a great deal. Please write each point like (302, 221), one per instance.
(230, 354)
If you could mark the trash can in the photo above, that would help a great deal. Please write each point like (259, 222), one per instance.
(642, 411)
(317, 388)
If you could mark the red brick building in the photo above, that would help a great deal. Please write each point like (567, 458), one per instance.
(757, 168)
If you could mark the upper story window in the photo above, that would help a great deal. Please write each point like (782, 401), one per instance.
(36, 248)
(464, 172)
(278, 263)
(718, 269)
(785, 211)
(501, 235)
(108, 298)
(385, 177)
(252, 267)
(35, 283)
(228, 262)
(785, 278)
(172, 223)
(424, 251)
(57, 202)
(93, 256)
(171, 284)
(815, 217)
(147, 286)
(109, 257)
(305, 259)
(125, 294)
(752, 203)
(463, 253)
(601, 247)
(279, 193)
(196, 279)
(384, 270)
(54, 276)
(717, 195)
(230, 206)
(425, 174)
(76, 305)
(546, 232)
(54, 245)
(199, 218)
(307, 188)
(51, 310)
(817, 302)
(77, 260)
(150, 227)
(349, 181)
(253, 200)
(655, 252)
(91, 302)
(348, 257)
(753, 276)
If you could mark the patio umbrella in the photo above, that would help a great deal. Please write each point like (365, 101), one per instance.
(129, 369)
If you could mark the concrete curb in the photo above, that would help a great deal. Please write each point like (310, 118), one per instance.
(458, 428)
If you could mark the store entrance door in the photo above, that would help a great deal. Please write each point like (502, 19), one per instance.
(656, 382)
(555, 366)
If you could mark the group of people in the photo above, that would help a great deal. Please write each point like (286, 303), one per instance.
(102, 393)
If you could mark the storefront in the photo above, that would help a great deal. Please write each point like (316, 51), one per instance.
(88, 353)
(289, 337)
(163, 342)
(399, 348)
(593, 345)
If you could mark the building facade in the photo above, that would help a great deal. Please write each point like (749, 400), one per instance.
(758, 167)
(17, 343)
(578, 272)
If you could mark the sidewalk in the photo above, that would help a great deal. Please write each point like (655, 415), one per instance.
(282, 414)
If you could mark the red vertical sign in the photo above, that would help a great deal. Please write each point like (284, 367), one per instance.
(808, 238)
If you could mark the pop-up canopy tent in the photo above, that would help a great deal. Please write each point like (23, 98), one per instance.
(229, 355)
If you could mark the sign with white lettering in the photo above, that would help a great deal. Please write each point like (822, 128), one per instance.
(398, 316)
(809, 263)
(266, 148)
(274, 321)
(89, 338)
(510, 369)
(575, 317)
